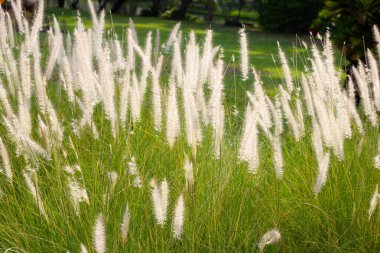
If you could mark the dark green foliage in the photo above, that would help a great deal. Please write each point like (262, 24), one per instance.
(289, 15)
(351, 22)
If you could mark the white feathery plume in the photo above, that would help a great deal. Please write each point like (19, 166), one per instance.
(7, 169)
(285, 69)
(117, 55)
(189, 175)
(206, 60)
(130, 50)
(276, 115)
(179, 37)
(9, 80)
(70, 169)
(160, 199)
(124, 96)
(284, 97)
(83, 248)
(308, 96)
(36, 27)
(17, 12)
(319, 74)
(257, 100)
(24, 142)
(6, 106)
(172, 115)
(217, 50)
(323, 166)
(157, 204)
(94, 17)
(39, 81)
(10, 30)
(124, 228)
(364, 93)
(99, 235)
(200, 99)
(351, 90)
(10, 123)
(107, 86)
(55, 125)
(376, 161)
(78, 194)
(112, 178)
(35, 148)
(338, 136)
(317, 141)
(277, 156)
(172, 37)
(27, 31)
(373, 202)
(50, 39)
(146, 58)
(26, 71)
(69, 43)
(178, 219)
(68, 78)
(97, 34)
(3, 29)
(24, 116)
(321, 113)
(300, 120)
(362, 70)
(132, 170)
(375, 78)
(244, 54)
(55, 51)
(189, 90)
(270, 237)
(156, 90)
(343, 116)
(176, 63)
(329, 59)
(133, 29)
(13, 64)
(216, 108)
(148, 50)
(164, 197)
(249, 146)
(135, 99)
(24, 94)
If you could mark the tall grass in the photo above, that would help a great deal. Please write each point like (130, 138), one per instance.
(110, 145)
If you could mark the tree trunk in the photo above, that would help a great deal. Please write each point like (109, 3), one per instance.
(102, 5)
(74, 5)
(117, 5)
(61, 3)
(210, 12)
(155, 9)
(241, 5)
(183, 8)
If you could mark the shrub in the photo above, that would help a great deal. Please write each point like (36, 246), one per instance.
(351, 24)
(288, 16)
